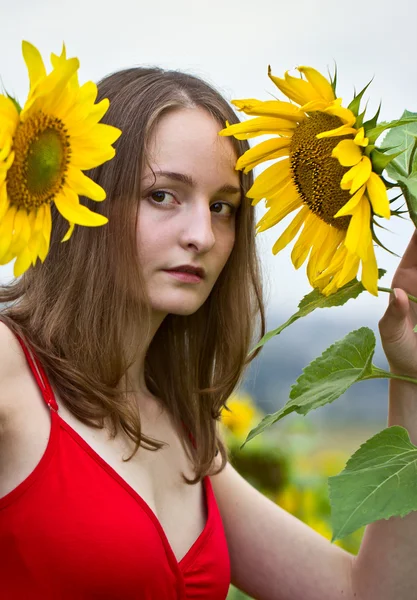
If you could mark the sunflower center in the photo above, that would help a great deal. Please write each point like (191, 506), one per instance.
(42, 153)
(315, 172)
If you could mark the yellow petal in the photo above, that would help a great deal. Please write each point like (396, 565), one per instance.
(319, 82)
(83, 120)
(293, 228)
(334, 238)
(57, 61)
(4, 201)
(268, 150)
(323, 238)
(84, 186)
(349, 270)
(378, 196)
(342, 130)
(34, 246)
(47, 93)
(304, 243)
(369, 276)
(6, 230)
(343, 113)
(23, 262)
(269, 181)
(69, 233)
(289, 201)
(9, 117)
(67, 202)
(5, 150)
(34, 63)
(357, 176)
(360, 138)
(347, 153)
(269, 108)
(350, 206)
(359, 230)
(88, 158)
(22, 232)
(332, 268)
(259, 126)
(314, 105)
(83, 101)
(46, 232)
(290, 91)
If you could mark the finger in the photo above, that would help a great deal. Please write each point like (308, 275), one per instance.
(393, 324)
(409, 259)
(405, 276)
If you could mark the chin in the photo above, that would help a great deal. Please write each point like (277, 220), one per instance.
(184, 308)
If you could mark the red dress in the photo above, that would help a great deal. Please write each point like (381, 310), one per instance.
(74, 529)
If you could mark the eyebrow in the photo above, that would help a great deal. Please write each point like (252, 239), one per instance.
(188, 180)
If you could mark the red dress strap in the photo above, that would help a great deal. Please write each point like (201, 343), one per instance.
(39, 375)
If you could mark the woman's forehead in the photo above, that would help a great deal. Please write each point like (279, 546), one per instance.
(187, 141)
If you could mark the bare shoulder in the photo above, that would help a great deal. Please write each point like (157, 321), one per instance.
(12, 364)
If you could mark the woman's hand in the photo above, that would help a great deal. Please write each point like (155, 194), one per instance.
(399, 341)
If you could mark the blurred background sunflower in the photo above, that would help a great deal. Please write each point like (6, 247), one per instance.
(292, 468)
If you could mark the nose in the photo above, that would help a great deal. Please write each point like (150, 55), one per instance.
(197, 232)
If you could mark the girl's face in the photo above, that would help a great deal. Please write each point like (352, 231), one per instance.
(190, 194)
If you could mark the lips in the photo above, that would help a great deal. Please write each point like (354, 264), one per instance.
(198, 271)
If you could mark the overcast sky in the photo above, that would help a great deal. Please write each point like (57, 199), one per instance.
(230, 43)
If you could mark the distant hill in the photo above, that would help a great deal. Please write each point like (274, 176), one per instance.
(271, 374)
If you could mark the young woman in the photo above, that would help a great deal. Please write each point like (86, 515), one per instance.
(116, 357)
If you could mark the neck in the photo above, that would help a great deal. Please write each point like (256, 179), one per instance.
(135, 376)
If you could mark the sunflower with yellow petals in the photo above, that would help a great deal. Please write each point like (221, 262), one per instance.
(44, 149)
(324, 171)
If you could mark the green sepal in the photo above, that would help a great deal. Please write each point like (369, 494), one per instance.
(388, 184)
(333, 79)
(380, 159)
(355, 104)
(378, 241)
(371, 123)
(359, 119)
(15, 102)
(373, 134)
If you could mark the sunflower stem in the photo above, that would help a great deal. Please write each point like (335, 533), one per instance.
(381, 374)
(390, 291)
(408, 200)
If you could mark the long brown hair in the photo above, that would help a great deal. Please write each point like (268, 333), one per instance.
(84, 310)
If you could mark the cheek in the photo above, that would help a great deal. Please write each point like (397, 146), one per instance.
(225, 248)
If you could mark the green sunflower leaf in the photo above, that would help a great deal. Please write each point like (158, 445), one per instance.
(326, 378)
(374, 133)
(402, 138)
(378, 482)
(315, 300)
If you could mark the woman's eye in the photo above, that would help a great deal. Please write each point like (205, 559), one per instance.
(218, 206)
(161, 197)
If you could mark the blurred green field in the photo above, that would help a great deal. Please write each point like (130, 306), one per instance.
(290, 463)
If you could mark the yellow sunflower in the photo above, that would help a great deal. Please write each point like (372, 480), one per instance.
(324, 172)
(44, 149)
